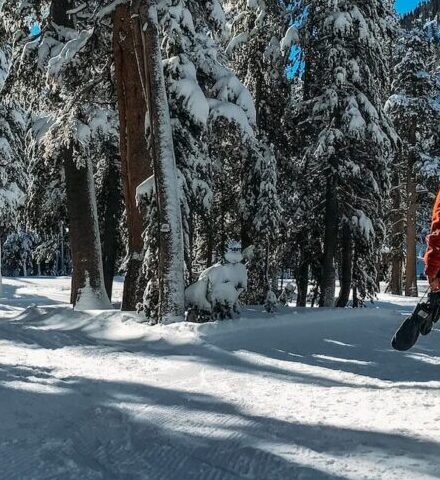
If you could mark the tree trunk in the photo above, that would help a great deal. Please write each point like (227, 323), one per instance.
(87, 277)
(136, 161)
(302, 281)
(346, 266)
(62, 269)
(1, 276)
(397, 235)
(411, 289)
(171, 250)
(328, 279)
(111, 210)
(210, 243)
(88, 290)
(356, 302)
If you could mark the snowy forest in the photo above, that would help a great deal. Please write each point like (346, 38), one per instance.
(219, 239)
(153, 139)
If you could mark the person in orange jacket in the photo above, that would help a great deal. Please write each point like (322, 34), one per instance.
(432, 256)
(426, 312)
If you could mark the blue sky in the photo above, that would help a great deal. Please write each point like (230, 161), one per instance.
(406, 5)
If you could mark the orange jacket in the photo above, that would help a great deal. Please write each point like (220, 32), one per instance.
(432, 256)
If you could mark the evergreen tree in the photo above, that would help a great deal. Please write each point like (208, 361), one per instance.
(13, 125)
(65, 44)
(212, 117)
(414, 110)
(45, 210)
(349, 139)
(258, 45)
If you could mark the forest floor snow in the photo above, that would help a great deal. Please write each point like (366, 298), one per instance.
(297, 395)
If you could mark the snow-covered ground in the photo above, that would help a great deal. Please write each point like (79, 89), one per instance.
(298, 395)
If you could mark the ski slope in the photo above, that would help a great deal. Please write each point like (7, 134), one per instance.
(298, 395)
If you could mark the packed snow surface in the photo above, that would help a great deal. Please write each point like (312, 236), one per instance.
(300, 394)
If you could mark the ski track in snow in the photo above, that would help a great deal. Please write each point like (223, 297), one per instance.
(307, 395)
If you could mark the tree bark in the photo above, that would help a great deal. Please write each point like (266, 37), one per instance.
(1, 275)
(328, 279)
(136, 163)
(88, 289)
(397, 235)
(302, 282)
(346, 266)
(411, 289)
(356, 302)
(61, 259)
(171, 250)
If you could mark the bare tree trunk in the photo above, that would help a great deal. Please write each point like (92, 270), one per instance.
(210, 242)
(356, 301)
(411, 289)
(62, 269)
(136, 161)
(346, 266)
(396, 276)
(397, 235)
(171, 249)
(302, 282)
(88, 291)
(328, 279)
(1, 276)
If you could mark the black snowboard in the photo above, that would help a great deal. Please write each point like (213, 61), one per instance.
(420, 322)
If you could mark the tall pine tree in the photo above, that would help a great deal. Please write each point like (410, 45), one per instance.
(349, 138)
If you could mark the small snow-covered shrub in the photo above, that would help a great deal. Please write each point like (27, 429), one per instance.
(288, 294)
(270, 304)
(216, 293)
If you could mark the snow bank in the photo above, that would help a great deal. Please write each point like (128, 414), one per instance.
(104, 326)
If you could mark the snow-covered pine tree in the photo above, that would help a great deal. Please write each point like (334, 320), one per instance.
(71, 93)
(413, 107)
(350, 140)
(260, 218)
(45, 209)
(226, 97)
(258, 43)
(13, 177)
(259, 39)
(12, 168)
(425, 13)
(212, 117)
(203, 93)
(300, 232)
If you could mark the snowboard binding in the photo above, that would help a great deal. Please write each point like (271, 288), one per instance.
(420, 322)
